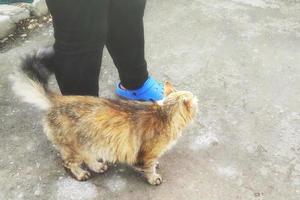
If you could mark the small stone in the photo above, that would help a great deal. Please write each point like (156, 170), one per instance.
(31, 26)
(257, 194)
(23, 35)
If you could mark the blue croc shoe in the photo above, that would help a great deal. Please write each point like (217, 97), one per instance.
(150, 91)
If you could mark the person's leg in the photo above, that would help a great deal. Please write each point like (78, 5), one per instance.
(125, 41)
(80, 29)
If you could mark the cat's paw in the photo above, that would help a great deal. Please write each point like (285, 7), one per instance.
(83, 176)
(76, 171)
(155, 179)
(99, 166)
(102, 167)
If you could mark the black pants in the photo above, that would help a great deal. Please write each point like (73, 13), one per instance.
(82, 28)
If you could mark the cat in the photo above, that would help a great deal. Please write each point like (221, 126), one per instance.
(95, 131)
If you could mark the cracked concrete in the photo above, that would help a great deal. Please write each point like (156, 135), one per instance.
(241, 58)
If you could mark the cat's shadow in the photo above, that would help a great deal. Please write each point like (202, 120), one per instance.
(118, 174)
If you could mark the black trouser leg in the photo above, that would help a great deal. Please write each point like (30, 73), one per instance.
(78, 74)
(125, 41)
(80, 29)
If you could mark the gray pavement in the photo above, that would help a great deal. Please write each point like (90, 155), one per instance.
(240, 57)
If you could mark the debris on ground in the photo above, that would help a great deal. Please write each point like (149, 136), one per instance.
(24, 28)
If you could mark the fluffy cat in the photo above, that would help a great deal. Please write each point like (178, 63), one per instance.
(96, 131)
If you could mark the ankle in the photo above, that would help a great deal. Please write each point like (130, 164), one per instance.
(122, 87)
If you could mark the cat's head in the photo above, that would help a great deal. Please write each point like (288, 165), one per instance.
(182, 102)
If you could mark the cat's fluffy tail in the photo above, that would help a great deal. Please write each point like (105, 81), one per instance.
(30, 81)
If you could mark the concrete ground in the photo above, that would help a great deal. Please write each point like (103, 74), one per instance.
(240, 57)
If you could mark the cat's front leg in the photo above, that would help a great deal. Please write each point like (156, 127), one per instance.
(138, 167)
(148, 169)
(154, 178)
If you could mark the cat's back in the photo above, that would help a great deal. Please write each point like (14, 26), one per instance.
(93, 110)
(73, 108)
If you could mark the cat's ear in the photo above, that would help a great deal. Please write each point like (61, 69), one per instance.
(169, 88)
(188, 103)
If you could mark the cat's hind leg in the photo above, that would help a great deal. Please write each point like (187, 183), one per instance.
(77, 171)
(73, 162)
